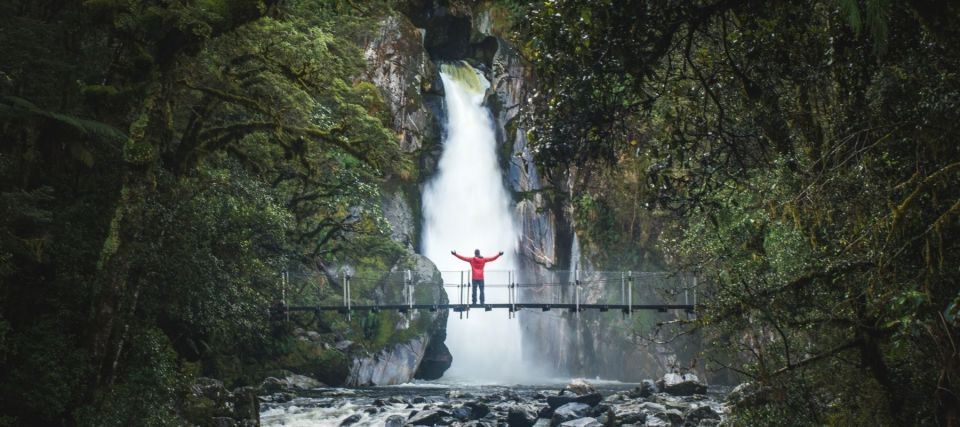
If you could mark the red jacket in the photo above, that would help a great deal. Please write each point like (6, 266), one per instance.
(477, 264)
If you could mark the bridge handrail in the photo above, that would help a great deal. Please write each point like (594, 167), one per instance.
(579, 287)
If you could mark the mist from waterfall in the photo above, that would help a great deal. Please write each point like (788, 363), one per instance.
(466, 207)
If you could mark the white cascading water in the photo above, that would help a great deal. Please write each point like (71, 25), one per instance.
(466, 207)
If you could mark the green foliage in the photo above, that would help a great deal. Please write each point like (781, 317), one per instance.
(803, 150)
(163, 163)
(151, 382)
(327, 365)
(14, 108)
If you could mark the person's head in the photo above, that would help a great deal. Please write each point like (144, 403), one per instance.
(476, 252)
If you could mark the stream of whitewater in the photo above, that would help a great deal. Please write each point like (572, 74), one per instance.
(467, 207)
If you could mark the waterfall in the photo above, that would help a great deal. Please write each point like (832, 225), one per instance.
(466, 207)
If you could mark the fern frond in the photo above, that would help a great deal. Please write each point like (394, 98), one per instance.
(14, 107)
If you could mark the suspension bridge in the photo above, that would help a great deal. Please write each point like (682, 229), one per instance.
(569, 291)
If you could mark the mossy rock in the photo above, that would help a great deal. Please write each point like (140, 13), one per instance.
(329, 366)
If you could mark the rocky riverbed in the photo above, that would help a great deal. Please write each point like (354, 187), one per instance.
(578, 404)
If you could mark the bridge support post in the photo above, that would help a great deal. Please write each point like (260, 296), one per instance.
(509, 294)
(623, 295)
(346, 293)
(410, 289)
(576, 291)
(630, 293)
(513, 294)
(694, 296)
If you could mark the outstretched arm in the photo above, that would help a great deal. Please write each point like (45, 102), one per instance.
(493, 258)
(460, 256)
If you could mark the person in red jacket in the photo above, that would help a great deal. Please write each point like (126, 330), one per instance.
(476, 264)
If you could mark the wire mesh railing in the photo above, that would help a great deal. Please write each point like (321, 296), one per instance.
(411, 289)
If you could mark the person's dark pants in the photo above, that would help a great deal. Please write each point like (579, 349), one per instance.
(477, 282)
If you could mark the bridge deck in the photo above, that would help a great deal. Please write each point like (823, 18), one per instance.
(488, 307)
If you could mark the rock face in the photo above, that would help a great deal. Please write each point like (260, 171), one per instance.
(436, 360)
(399, 65)
(425, 353)
(392, 365)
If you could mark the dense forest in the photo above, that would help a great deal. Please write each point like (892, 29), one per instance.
(802, 157)
(161, 161)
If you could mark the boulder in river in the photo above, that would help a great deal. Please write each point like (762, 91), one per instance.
(520, 417)
(462, 413)
(579, 386)
(459, 394)
(591, 399)
(657, 422)
(477, 409)
(570, 411)
(545, 412)
(681, 384)
(428, 417)
(672, 415)
(395, 421)
(695, 415)
(631, 417)
(582, 422)
(646, 389)
(351, 420)
(652, 407)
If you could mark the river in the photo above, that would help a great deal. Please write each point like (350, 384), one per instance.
(435, 403)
